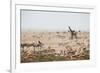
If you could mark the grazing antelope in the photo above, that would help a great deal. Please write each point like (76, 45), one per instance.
(23, 45)
(38, 45)
(70, 52)
(35, 45)
(62, 52)
(50, 50)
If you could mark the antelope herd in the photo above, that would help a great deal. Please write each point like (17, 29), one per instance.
(53, 44)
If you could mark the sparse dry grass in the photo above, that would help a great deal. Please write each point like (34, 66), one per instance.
(57, 47)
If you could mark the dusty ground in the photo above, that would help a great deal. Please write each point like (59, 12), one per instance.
(61, 44)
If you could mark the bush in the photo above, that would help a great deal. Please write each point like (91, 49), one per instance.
(52, 57)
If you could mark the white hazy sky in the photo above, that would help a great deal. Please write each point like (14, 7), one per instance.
(53, 21)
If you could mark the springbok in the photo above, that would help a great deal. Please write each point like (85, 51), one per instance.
(35, 45)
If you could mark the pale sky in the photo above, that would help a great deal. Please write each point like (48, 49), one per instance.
(53, 21)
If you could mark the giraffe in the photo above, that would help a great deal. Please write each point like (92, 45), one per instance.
(73, 33)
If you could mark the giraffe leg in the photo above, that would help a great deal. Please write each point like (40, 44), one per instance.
(75, 34)
(71, 35)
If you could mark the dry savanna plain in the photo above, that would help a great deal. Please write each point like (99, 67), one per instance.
(54, 46)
